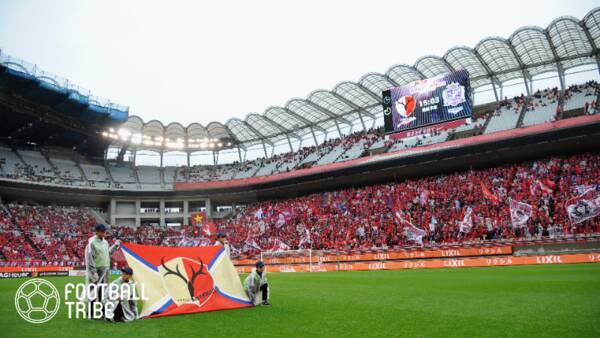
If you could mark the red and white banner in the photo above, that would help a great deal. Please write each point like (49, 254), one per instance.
(415, 234)
(277, 245)
(423, 197)
(184, 280)
(583, 207)
(519, 213)
(545, 187)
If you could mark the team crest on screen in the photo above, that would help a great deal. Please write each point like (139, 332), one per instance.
(187, 281)
(405, 106)
(453, 95)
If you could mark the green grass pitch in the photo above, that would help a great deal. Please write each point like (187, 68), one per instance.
(524, 301)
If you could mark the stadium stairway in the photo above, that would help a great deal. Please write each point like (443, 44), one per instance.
(52, 165)
(110, 178)
(523, 111)
(13, 219)
(136, 174)
(82, 173)
(487, 121)
(99, 218)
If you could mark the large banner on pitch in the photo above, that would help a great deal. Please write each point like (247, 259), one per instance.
(184, 280)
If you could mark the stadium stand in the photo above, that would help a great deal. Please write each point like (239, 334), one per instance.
(351, 219)
(341, 218)
(58, 168)
(61, 159)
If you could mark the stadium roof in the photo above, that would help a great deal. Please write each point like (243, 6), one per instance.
(567, 42)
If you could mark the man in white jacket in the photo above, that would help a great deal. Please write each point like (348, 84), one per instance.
(97, 262)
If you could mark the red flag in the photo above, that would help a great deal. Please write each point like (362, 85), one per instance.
(198, 218)
(209, 229)
(488, 194)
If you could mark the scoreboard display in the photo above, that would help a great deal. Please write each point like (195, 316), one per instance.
(425, 102)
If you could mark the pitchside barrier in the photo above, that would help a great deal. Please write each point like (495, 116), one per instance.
(37, 271)
(315, 257)
(572, 249)
(432, 263)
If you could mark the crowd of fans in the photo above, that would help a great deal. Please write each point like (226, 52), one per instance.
(366, 218)
(377, 216)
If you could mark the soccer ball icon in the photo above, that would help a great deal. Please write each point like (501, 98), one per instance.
(37, 301)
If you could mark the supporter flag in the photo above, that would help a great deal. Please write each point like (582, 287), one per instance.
(250, 244)
(582, 188)
(277, 245)
(198, 218)
(423, 197)
(209, 229)
(467, 223)
(412, 232)
(488, 194)
(184, 280)
(519, 213)
(305, 238)
(583, 207)
(259, 213)
(403, 218)
(544, 187)
(415, 234)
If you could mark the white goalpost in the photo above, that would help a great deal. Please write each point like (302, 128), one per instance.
(285, 257)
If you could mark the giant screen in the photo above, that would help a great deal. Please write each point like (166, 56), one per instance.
(439, 99)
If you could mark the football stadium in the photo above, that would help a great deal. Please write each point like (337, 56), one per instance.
(447, 195)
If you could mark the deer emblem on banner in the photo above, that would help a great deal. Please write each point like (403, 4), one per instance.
(187, 280)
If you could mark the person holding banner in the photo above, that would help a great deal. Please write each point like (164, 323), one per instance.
(97, 262)
(256, 286)
(123, 307)
(222, 240)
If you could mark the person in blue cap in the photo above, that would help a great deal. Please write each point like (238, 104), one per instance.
(97, 263)
(121, 298)
(222, 240)
(256, 285)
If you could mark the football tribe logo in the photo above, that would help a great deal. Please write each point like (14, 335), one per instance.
(187, 281)
(405, 106)
(37, 301)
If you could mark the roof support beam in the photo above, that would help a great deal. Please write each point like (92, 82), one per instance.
(258, 133)
(328, 113)
(559, 68)
(265, 148)
(308, 123)
(489, 72)
(362, 121)
(337, 125)
(495, 92)
(592, 43)
(289, 143)
(314, 137)
(283, 129)
(351, 104)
